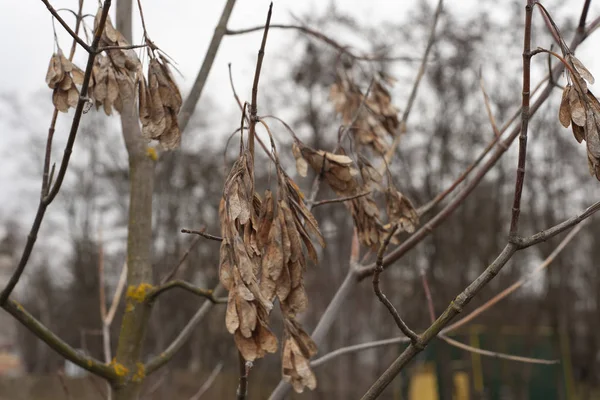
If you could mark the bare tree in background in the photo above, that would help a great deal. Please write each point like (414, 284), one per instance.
(269, 237)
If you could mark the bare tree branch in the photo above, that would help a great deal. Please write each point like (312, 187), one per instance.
(462, 299)
(208, 382)
(453, 309)
(154, 364)
(90, 49)
(117, 296)
(525, 115)
(206, 293)
(48, 198)
(339, 199)
(203, 234)
(174, 270)
(254, 100)
(502, 356)
(413, 93)
(382, 297)
(321, 37)
(468, 318)
(356, 348)
(91, 364)
(242, 390)
(190, 102)
(472, 349)
(523, 243)
(512, 288)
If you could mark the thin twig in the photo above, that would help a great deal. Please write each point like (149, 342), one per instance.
(523, 243)
(206, 293)
(156, 384)
(528, 360)
(340, 199)
(584, 13)
(61, 379)
(427, 291)
(117, 296)
(101, 285)
(96, 385)
(413, 94)
(401, 324)
(146, 37)
(254, 102)
(323, 38)
(242, 390)
(203, 234)
(356, 348)
(164, 357)
(82, 43)
(47, 199)
(129, 47)
(488, 108)
(208, 382)
(174, 270)
(516, 208)
(106, 348)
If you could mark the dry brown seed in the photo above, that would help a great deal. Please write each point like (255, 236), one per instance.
(297, 300)
(266, 339)
(401, 211)
(283, 287)
(583, 71)
(564, 112)
(296, 369)
(60, 99)
(225, 265)
(247, 346)
(72, 97)
(55, 72)
(77, 75)
(272, 262)
(578, 132)
(247, 316)
(301, 164)
(577, 108)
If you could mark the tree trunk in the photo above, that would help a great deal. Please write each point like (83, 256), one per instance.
(139, 239)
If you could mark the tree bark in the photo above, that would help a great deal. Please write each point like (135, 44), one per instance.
(139, 239)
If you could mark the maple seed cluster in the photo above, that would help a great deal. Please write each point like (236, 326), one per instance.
(346, 180)
(580, 109)
(160, 101)
(262, 260)
(62, 76)
(375, 121)
(113, 80)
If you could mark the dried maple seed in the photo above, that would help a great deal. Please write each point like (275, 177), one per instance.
(580, 109)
